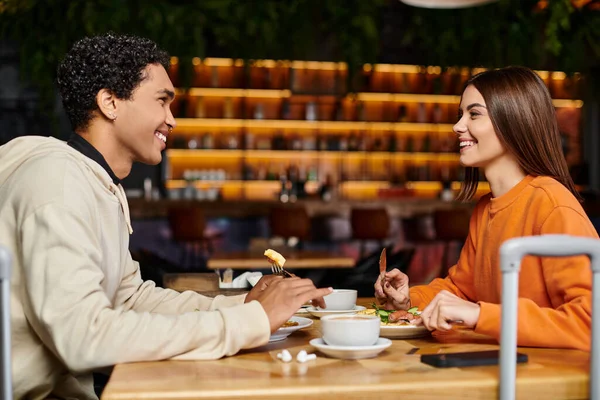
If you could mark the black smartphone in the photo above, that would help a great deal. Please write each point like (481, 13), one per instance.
(467, 359)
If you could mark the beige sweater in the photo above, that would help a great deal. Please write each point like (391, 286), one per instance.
(77, 300)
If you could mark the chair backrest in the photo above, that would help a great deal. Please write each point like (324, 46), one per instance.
(452, 224)
(5, 357)
(511, 253)
(288, 222)
(370, 223)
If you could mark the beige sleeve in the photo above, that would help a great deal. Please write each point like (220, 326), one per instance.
(139, 295)
(67, 307)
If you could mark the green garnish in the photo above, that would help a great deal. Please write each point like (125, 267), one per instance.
(382, 313)
(413, 310)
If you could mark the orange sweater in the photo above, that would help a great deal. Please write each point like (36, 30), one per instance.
(554, 293)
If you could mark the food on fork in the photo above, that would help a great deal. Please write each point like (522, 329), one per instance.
(275, 257)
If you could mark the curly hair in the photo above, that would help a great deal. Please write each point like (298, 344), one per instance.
(110, 61)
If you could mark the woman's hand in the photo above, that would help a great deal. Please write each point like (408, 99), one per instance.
(447, 308)
(391, 290)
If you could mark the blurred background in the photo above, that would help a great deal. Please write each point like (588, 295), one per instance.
(321, 128)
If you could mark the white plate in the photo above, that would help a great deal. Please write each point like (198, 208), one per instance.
(321, 312)
(403, 331)
(283, 333)
(351, 352)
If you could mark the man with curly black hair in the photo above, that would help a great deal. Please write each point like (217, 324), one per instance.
(78, 302)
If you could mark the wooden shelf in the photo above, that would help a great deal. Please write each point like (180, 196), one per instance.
(303, 154)
(440, 99)
(312, 186)
(193, 124)
(251, 93)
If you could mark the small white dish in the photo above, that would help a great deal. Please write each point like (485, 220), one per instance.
(351, 352)
(321, 312)
(283, 333)
(403, 331)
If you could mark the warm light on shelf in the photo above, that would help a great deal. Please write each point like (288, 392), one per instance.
(409, 98)
(193, 124)
(395, 68)
(256, 93)
(320, 65)
(215, 155)
(567, 103)
(203, 154)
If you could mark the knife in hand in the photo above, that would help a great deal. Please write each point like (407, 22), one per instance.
(382, 265)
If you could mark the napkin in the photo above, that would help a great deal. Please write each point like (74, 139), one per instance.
(243, 281)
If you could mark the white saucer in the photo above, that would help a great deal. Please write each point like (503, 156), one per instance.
(321, 312)
(283, 333)
(351, 352)
(403, 331)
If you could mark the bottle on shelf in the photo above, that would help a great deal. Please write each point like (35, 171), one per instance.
(392, 142)
(214, 76)
(421, 113)
(259, 111)
(326, 189)
(402, 114)
(193, 143)
(228, 108)
(360, 111)
(338, 111)
(285, 109)
(311, 111)
(353, 142)
(199, 112)
(208, 141)
(426, 143)
(437, 113)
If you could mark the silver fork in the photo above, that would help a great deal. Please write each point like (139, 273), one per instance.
(278, 270)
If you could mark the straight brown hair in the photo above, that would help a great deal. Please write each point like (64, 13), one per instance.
(524, 119)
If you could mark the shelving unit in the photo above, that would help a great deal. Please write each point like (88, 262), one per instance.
(388, 136)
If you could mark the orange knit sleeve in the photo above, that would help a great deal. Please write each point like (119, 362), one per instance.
(568, 284)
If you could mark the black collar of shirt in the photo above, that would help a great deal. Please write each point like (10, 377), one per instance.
(84, 147)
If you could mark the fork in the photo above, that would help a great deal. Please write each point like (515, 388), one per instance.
(278, 270)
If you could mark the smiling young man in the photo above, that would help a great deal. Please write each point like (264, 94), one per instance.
(77, 300)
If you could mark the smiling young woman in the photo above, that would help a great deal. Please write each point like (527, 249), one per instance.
(507, 128)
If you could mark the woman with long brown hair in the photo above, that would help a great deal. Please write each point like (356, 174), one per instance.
(507, 129)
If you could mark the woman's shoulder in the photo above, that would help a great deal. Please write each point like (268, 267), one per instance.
(549, 190)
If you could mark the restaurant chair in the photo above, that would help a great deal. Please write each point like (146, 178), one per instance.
(451, 228)
(5, 346)
(369, 224)
(188, 229)
(289, 223)
(511, 253)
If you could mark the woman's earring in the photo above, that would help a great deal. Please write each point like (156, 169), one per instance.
(112, 116)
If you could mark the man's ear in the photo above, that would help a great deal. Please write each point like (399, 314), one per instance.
(107, 104)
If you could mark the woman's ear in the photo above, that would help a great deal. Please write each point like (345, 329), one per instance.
(107, 104)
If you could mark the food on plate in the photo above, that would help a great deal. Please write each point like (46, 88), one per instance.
(395, 317)
(289, 323)
(275, 257)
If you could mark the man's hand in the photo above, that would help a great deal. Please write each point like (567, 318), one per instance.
(281, 298)
(261, 285)
(446, 308)
(391, 290)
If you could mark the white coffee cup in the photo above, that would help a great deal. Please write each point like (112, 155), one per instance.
(341, 299)
(350, 330)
